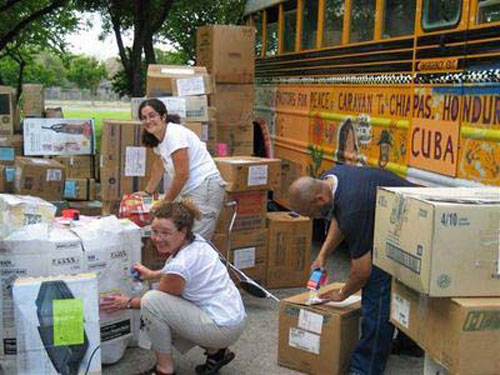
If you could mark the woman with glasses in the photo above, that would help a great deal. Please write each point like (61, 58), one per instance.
(185, 158)
(196, 303)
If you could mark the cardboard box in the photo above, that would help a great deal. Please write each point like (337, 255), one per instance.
(54, 136)
(251, 209)
(206, 131)
(248, 252)
(80, 189)
(7, 110)
(125, 163)
(78, 166)
(234, 103)
(33, 99)
(227, 52)
(57, 320)
(189, 108)
(111, 207)
(90, 208)
(288, 262)
(56, 112)
(290, 171)
(197, 85)
(440, 241)
(159, 78)
(460, 333)
(42, 178)
(243, 173)
(210, 128)
(195, 127)
(10, 147)
(7, 177)
(317, 339)
(235, 140)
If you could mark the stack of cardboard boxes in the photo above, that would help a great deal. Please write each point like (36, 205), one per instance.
(68, 146)
(54, 157)
(441, 245)
(227, 52)
(125, 163)
(271, 247)
(10, 143)
(248, 181)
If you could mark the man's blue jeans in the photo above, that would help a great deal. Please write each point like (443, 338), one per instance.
(374, 347)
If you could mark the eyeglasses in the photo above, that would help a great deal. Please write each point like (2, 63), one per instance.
(150, 117)
(163, 234)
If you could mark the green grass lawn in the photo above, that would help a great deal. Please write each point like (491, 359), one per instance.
(98, 114)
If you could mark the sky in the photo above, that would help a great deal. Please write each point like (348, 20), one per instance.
(86, 41)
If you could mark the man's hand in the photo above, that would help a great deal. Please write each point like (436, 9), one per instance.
(333, 295)
(319, 262)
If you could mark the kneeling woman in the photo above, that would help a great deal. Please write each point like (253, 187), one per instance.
(197, 303)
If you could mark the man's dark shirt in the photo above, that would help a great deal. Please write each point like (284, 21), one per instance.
(355, 200)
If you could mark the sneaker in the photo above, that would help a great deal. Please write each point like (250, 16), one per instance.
(215, 362)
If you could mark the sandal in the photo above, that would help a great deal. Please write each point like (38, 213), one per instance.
(215, 362)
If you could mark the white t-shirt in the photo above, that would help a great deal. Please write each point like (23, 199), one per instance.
(208, 284)
(201, 164)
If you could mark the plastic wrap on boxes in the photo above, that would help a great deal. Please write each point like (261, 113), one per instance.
(17, 211)
(43, 249)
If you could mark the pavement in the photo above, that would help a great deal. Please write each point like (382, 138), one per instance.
(256, 350)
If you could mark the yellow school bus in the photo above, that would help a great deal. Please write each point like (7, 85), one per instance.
(408, 85)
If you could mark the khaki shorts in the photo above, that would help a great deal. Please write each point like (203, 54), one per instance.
(168, 320)
(209, 197)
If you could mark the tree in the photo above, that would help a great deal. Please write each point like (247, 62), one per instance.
(18, 16)
(144, 18)
(87, 73)
(31, 26)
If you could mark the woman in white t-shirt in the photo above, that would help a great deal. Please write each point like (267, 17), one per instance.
(185, 158)
(197, 303)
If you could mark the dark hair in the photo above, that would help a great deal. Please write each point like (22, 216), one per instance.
(154, 103)
(148, 139)
(345, 128)
(183, 214)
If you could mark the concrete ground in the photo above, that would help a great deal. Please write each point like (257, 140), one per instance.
(256, 351)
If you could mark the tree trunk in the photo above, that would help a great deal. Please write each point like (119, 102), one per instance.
(22, 64)
(147, 20)
(149, 51)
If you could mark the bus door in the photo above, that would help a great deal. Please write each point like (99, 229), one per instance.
(479, 155)
(439, 63)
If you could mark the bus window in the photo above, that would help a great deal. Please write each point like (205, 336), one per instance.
(257, 22)
(333, 23)
(440, 14)
(362, 20)
(399, 18)
(488, 11)
(272, 31)
(289, 25)
(309, 24)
